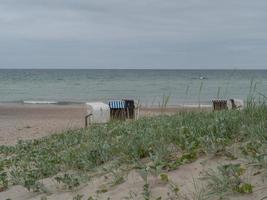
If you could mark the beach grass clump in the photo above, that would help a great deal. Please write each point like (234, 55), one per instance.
(226, 180)
(70, 181)
(166, 142)
(3, 179)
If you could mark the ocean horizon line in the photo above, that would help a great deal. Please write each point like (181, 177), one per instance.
(140, 69)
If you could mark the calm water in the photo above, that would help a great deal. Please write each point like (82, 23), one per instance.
(149, 86)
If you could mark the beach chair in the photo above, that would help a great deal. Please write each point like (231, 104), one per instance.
(97, 113)
(219, 104)
(129, 108)
(117, 109)
(236, 104)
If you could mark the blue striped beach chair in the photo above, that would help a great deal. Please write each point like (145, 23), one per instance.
(117, 109)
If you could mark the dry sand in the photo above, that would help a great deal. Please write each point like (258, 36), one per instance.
(20, 121)
(30, 121)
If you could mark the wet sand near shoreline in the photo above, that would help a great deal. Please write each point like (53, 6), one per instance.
(31, 121)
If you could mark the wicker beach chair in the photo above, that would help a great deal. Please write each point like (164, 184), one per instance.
(219, 104)
(117, 109)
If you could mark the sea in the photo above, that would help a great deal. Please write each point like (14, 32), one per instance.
(148, 87)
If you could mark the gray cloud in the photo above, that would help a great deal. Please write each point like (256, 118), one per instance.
(133, 34)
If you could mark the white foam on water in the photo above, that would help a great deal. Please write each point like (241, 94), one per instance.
(40, 102)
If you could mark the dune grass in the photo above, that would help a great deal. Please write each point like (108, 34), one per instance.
(166, 141)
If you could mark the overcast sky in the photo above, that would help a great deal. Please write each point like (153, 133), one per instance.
(133, 33)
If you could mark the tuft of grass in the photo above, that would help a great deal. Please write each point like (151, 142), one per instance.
(146, 191)
(199, 92)
(3, 181)
(244, 188)
(164, 177)
(103, 189)
(164, 103)
(117, 177)
(78, 197)
(70, 181)
(226, 180)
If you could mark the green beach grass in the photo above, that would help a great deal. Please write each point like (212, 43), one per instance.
(165, 142)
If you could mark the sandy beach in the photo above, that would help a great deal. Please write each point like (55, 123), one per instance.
(20, 121)
(31, 121)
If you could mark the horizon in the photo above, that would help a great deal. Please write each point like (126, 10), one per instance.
(156, 69)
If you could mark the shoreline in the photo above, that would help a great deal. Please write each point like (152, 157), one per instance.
(63, 103)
